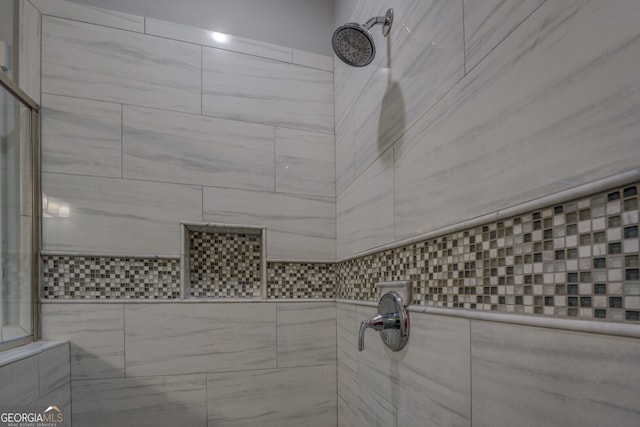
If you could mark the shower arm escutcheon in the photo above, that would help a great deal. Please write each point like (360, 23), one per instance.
(392, 322)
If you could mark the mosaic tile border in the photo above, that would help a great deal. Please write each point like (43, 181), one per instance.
(578, 259)
(225, 264)
(301, 280)
(109, 278)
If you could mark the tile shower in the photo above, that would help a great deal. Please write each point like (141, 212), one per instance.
(430, 185)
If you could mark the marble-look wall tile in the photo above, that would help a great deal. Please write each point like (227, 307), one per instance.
(347, 338)
(345, 153)
(163, 401)
(360, 407)
(23, 377)
(166, 339)
(507, 133)
(95, 334)
(421, 66)
(289, 397)
(107, 215)
(61, 397)
(254, 89)
(91, 14)
(54, 368)
(80, 136)
(313, 60)
(29, 50)
(306, 334)
(191, 149)
(365, 209)
(530, 376)
(120, 66)
(206, 38)
(298, 226)
(430, 377)
(305, 162)
(488, 22)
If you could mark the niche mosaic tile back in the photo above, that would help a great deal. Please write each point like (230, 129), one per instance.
(103, 278)
(301, 280)
(577, 259)
(224, 265)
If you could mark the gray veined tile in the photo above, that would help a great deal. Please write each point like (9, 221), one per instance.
(313, 60)
(162, 401)
(289, 397)
(23, 376)
(95, 334)
(306, 334)
(107, 64)
(218, 40)
(345, 153)
(577, 378)
(30, 50)
(305, 162)
(54, 368)
(192, 149)
(166, 339)
(422, 64)
(116, 216)
(488, 22)
(81, 136)
(260, 90)
(430, 377)
(90, 14)
(298, 226)
(60, 397)
(365, 209)
(359, 406)
(506, 132)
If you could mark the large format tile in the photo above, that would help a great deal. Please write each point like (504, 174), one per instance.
(305, 162)
(488, 22)
(185, 338)
(512, 130)
(191, 149)
(313, 60)
(91, 14)
(298, 226)
(430, 377)
(306, 334)
(29, 50)
(273, 398)
(80, 136)
(95, 333)
(221, 41)
(54, 368)
(360, 407)
(60, 397)
(365, 209)
(119, 66)
(530, 376)
(345, 153)
(107, 215)
(421, 66)
(163, 401)
(254, 89)
(22, 375)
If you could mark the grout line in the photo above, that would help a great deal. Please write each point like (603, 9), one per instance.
(124, 342)
(470, 374)
(121, 141)
(275, 161)
(464, 41)
(97, 24)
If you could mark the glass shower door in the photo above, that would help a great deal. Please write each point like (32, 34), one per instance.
(17, 220)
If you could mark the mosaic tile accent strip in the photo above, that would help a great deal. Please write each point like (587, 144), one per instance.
(301, 280)
(579, 259)
(224, 265)
(103, 278)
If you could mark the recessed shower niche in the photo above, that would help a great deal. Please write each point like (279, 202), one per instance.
(223, 261)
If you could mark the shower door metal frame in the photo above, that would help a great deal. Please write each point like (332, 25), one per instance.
(36, 200)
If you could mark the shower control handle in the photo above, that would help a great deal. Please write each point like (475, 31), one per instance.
(391, 322)
(379, 322)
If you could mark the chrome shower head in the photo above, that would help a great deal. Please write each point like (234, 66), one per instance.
(353, 42)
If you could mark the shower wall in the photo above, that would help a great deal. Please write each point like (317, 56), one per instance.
(470, 108)
(146, 124)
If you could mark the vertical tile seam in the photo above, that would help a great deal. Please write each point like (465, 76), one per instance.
(124, 341)
(464, 41)
(470, 373)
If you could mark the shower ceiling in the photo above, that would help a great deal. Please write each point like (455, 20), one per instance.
(300, 24)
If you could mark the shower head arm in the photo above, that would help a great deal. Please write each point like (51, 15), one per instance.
(385, 20)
